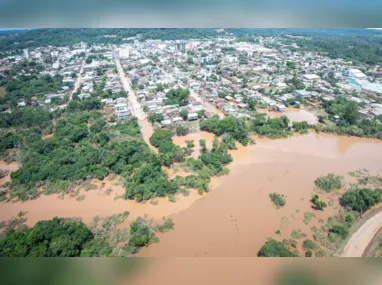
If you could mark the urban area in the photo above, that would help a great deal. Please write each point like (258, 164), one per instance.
(267, 146)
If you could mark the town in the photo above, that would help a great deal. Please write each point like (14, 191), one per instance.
(270, 136)
(220, 76)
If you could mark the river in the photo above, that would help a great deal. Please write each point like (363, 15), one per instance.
(237, 216)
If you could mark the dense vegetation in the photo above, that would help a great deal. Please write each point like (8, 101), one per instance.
(329, 182)
(273, 248)
(271, 127)
(54, 238)
(349, 122)
(361, 200)
(177, 96)
(70, 238)
(278, 200)
(236, 128)
(24, 87)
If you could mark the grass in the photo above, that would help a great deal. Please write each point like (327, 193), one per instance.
(80, 198)
(329, 182)
(278, 199)
(308, 217)
(172, 198)
(309, 245)
(295, 234)
(168, 225)
(108, 191)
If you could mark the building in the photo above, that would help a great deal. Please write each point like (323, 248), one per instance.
(192, 116)
(355, 73)
(180, 46)
(122, 111)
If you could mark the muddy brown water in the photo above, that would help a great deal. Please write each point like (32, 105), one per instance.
(237, 216)
(294, 115)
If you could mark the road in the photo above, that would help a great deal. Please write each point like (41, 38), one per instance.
(359, 241)
(78, 82)
(134, 105)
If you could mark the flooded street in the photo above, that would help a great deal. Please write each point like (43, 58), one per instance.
(237, 216)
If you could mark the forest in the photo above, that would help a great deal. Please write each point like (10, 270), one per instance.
(62, 237)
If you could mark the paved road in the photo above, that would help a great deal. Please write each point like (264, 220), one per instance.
(134, 106)
(359, 241)
(78, 82)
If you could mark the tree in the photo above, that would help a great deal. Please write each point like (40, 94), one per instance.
(183, 114)
(201, 114)
(273, 248)
(291, 64)
(361, 200)
(190, 145)
(203, 145)
(181, 131)
(190, 60)
(177, 96)
(317, 203)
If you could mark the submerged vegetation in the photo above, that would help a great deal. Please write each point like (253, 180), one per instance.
(278, 199)
(273, 248)
(71, 238)
(329, 182)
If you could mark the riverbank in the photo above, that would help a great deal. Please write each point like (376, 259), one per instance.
(237, 217)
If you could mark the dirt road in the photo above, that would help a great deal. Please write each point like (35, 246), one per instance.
(359, 241)
(77, 83)
(134, 105)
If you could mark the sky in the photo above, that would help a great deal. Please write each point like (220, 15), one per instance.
(195, 13)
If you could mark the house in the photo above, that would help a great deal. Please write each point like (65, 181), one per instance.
(107, 101)
(310, 77)
(280, 108)
(192, 116)
(301, 93)
(177, 120)
(355, 73)
(122, 111)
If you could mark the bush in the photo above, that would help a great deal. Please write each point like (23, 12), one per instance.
(329, 182)
(182, 131)
(168, 225)
(309, 245)
(277, 199)
(308, 253)
(317, 203)
(342, 231)
(307, 217)
(360, 200)
(273, 248)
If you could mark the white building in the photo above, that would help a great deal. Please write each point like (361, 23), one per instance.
(355, 73)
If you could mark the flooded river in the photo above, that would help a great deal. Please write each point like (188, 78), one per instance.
(237, 216)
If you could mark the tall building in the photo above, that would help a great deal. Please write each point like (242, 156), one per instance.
(26, 53)
(180, 45)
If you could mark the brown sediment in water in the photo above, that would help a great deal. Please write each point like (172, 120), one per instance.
(96, 203)
(237, 217)
(294, 115)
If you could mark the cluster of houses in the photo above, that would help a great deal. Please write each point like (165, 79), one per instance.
(222, 72)
(226, 73)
